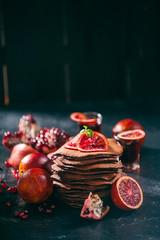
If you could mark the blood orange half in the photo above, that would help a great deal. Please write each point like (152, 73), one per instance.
(132, 135)
(126, 193)
(96, 143)
(82, 118)
(72, 143)
(77, 116)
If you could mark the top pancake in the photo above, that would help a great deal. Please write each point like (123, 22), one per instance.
(115, 149)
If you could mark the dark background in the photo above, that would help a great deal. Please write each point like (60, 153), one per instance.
(66, 50)
(59, 53)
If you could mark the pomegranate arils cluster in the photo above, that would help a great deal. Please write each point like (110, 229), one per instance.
(27, 119)
(16, 174)
(45, 141)
(10, 139)
(4, 185)
(46, 208)
(48, 140)
(12, 189)
(23, 214)
(61, 137)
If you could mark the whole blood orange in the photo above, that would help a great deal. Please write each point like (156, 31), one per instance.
(127, 124)
(35, 185)
(96, 143)
(126, 193)
(132, 135)
(34, 160)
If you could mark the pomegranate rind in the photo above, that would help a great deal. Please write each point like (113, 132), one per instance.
(82, 118)
(18, 153)
(132, 135)
(118, 200)
(104, 143)
(91, 215)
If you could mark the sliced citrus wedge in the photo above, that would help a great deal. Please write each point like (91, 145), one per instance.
(82, 118)
(126, 193)
(132, 135)
(96, 143)
(77, 116)
(72, 143)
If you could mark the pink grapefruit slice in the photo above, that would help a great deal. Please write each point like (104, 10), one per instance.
(126, 193)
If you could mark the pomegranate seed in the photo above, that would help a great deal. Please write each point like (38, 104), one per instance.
(52, 206)
(48, 211)
(0, 180)
(23, 215)
(16, 174)
(7, 164)
(12, 189)
(1, 190)
(40, 208)
(4, 185)
(8, 204)
(25, 211)
(9, 189)
(16, 214)
(17, 134)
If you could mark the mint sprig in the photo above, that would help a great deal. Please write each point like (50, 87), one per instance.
(88, 132)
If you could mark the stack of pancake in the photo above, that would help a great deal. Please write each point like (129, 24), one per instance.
(76, 174)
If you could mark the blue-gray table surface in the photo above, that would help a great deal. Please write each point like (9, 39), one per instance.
(65, 222)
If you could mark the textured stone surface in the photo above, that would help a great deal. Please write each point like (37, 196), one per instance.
(64, 222)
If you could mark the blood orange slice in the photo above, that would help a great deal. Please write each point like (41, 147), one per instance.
(72, 143)
(126, 193)
(96, 143)
(132, 135)
(82, 118)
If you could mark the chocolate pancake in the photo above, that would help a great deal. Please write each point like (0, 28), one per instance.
(74, 177)
(76, 173)
(75, 196)
(79, 186)
(88, 172)
(93, 184)
(79, 191)
(115, 149)
(85, 162)
(82, 193)
(88, 167)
